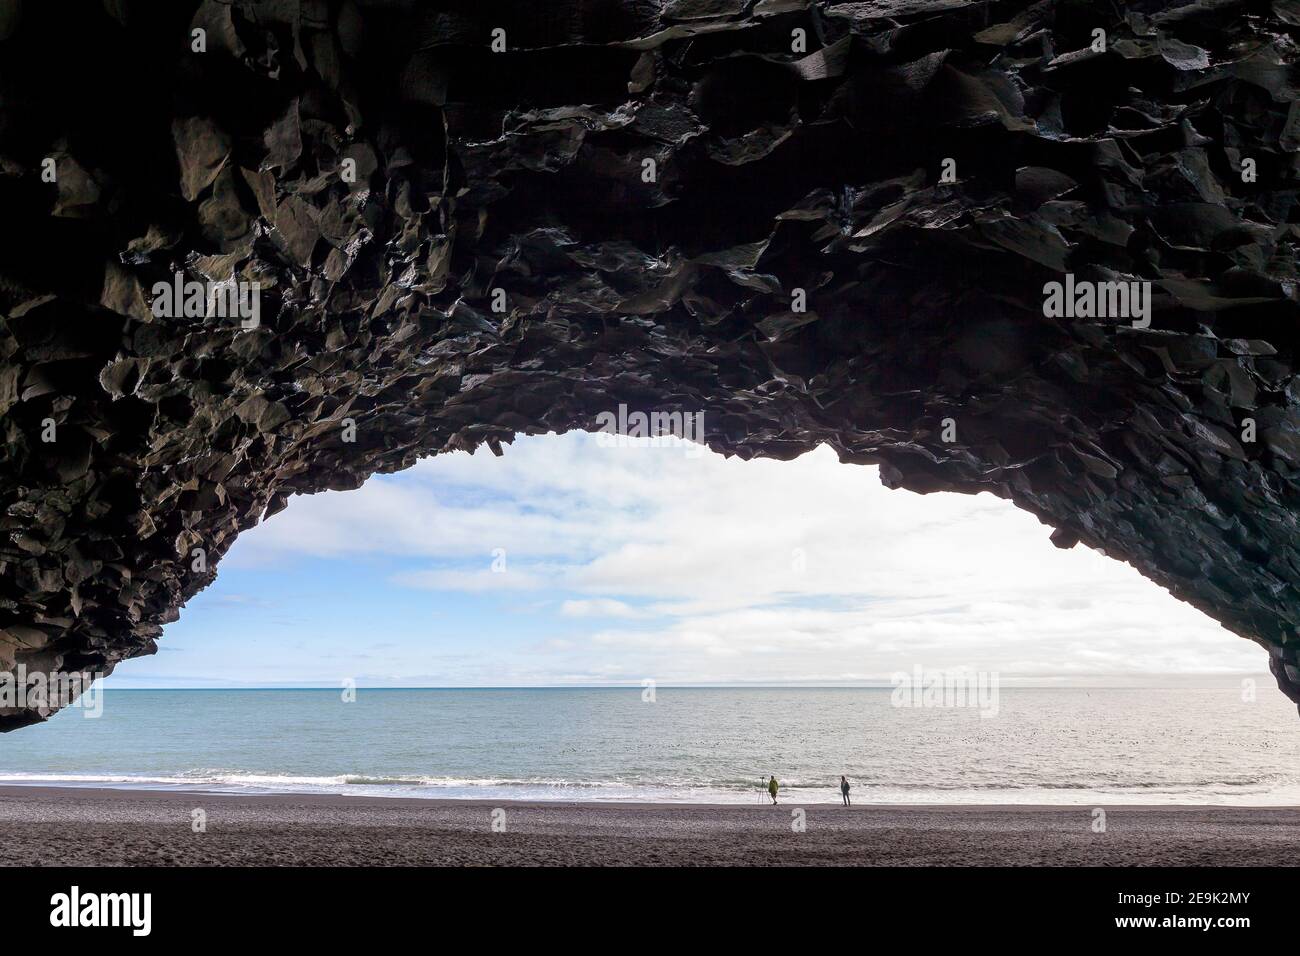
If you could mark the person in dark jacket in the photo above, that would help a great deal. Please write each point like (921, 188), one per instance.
(844, 790)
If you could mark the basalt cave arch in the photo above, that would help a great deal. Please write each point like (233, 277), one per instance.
(650, 184)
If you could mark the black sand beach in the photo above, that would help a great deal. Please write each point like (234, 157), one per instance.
(70, 826)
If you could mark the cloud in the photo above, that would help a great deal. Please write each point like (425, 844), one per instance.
(472, 581)
(649, 561)
(600, 607)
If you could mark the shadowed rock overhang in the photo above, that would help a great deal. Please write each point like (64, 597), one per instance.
(816, 222)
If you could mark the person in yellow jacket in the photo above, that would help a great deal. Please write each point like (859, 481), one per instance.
(772, 788)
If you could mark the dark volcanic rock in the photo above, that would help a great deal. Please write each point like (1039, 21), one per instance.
(735, 206)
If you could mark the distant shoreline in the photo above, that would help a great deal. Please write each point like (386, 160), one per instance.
(791, 797)
(56, 793)
(88, 827)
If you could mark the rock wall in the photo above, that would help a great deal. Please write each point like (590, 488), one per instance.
(816, 222)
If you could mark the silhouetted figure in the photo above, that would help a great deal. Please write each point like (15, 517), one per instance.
(844, 790)
(772, 788)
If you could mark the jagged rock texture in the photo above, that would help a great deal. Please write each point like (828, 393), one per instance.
(777, 168)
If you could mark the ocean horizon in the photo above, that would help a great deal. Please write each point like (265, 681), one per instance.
(1036, 745)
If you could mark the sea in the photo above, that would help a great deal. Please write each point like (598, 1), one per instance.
(1058, 745)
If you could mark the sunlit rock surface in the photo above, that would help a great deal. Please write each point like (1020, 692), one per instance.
(730, 206)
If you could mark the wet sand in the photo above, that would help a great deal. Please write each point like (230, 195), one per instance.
(85, 827)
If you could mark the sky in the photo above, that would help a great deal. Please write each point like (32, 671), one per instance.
(570, 562)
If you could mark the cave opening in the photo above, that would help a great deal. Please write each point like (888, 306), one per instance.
(607, 527)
